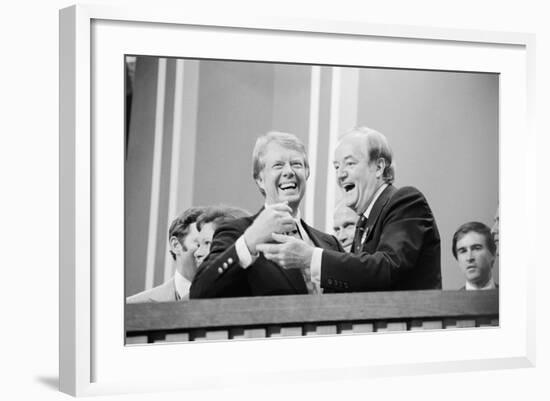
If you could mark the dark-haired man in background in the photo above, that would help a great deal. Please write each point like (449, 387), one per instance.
(475, 249)
(182, 238)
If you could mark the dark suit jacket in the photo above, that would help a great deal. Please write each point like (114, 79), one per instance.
(402, 249)
(221, 275)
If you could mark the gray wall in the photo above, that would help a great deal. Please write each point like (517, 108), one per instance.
(443, 128)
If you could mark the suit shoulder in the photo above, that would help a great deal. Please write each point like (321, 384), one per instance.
(409, 191)
(327, 238)
(409, 194)
(239, 224)
(160, 293)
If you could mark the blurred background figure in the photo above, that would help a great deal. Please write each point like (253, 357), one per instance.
(183, 238)
(494, 229)
(475, 251)
(344, 225)
(207, 224)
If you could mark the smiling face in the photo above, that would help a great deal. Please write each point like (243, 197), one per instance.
(344, 226)
(204, 239)
(283, 176)
(356, 175)
(474, 258)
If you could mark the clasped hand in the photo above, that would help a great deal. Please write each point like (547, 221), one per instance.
(274, 218)
(288, 252)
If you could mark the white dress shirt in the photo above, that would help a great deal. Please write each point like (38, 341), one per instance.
(489, 286)
(182, 285)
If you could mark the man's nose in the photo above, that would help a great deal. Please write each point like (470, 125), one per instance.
(341, 173)
(287, 169)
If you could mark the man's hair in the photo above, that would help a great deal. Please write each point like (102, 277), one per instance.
(377, 148)
(477, 227)
(286, 140)
(220, 214)
(180, 226)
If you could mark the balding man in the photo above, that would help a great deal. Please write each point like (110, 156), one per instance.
(344, 225)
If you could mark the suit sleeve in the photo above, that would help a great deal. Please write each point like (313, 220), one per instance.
(220, 275)
(404, 228)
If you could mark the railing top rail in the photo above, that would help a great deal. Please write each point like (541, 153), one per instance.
(290, 309)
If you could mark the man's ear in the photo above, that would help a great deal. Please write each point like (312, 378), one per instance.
(380, 166)
(175, 245)
(260, 182)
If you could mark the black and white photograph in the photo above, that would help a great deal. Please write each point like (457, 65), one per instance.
(267, 199)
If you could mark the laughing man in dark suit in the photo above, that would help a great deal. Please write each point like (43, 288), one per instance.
(396, 243)
(234, 266)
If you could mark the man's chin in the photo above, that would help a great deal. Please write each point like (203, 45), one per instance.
(290, 198)
(351, 203)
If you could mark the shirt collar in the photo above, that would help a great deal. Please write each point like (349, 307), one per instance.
(182, 284)
(489, 286)
(374, 199)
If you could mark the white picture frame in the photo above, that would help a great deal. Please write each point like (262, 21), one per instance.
(92, 363)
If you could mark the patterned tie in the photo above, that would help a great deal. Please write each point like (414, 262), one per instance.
(306, 273)
(360, 229)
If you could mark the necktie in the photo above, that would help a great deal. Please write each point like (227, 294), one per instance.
(360, 229)
(306, 273)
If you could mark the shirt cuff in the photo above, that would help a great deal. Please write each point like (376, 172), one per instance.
(315, 266)
(245, 257)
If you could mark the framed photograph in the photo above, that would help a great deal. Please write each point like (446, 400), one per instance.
(159, 112)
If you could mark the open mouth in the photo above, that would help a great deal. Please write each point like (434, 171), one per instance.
(348, 187)
(288, 186)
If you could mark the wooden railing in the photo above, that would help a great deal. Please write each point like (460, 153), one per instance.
(298, 315)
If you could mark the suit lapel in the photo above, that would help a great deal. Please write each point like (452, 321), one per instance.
(314, 238)
(382, 200)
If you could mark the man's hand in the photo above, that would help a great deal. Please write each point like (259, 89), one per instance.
(288, 252)
(274, 218)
